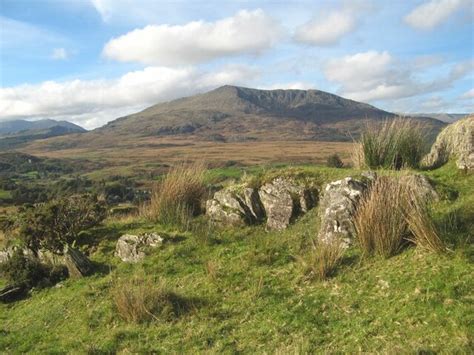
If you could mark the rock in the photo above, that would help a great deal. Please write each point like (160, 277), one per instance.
(284, 200)
(456, 141)
(230, 208)
(12, 292)
(420, 185)
(338, 205)
(132, 248)
(78, 265)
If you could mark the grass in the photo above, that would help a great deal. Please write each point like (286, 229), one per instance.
(245, 292)
(393, 144)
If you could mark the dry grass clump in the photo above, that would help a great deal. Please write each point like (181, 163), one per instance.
(323, 260)
(393, 144)
(390, 214)
(140, 300)
(177, 197)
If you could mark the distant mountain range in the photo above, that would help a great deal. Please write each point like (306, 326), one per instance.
(445, 117)
(19, 132)
(232, 113)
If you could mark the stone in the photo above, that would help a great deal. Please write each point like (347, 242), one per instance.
(78, 265)
(11, 293)
(337, 207)
(456, 141)
(285, 200)
(230, 208)
(132, 248)
(421, 186)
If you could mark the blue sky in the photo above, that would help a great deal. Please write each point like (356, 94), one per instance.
(91, 61)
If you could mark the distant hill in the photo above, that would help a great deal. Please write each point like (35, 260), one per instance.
(232, 113)
(445, 117)
(19, 132)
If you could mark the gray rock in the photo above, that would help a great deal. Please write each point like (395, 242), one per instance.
(455, 141)
(338, 205)
(284, 200)
(420, 185)
(132, 248)
(230, 208)
(78, 265)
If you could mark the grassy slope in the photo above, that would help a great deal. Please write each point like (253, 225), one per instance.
(256, 299)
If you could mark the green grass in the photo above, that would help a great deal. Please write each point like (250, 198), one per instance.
(256, 298)
(5, 194)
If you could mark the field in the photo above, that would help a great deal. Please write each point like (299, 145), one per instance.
(244, 290)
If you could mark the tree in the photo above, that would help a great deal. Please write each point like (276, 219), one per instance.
(56, 224)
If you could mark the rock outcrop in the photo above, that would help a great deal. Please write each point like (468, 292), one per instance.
(132, 248)
(338, 205)
(456, 141)
(280, 201)
(284, 200)
(78, 265)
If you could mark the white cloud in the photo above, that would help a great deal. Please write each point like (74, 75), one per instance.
(94, 102)
(59, 54)
(373, 75)
(468, 95)
(247, 32)
(296, 85)
(434, 12)
(326, 30)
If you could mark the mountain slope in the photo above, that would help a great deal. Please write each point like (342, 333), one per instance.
(18, 126)
(235, 113)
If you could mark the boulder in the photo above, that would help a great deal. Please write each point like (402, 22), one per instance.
(337, 207)
(78, 265)
(11, 293)
(284, 200)
(456, 141)
(231, 208)
(420, 185)
(132, 248)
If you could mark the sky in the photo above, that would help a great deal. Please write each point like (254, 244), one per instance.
(92, 61)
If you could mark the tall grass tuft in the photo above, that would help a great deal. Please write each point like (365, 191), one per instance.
(380, 220)
(323, 260)
(421, 226)
(178, 196)
(141, 300)
(393, 144)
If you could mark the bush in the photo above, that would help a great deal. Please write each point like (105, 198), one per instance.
(28, 271)
(178, 196)
(380, 221)
(334, 161)
(394, 144)
(323, 260)
(141, 300)
(56, 224)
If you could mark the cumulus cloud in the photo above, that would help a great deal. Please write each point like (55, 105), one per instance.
(468, 95)
(59, 54)
(326, 30)
(247, 32)
(94, 102)
(295, 85)
(434, 12)
(373, 75)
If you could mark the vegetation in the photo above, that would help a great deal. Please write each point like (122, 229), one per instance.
(178, 197)
(334, 161)
(395, 144)
(323, 260)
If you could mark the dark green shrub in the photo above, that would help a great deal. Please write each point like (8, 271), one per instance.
(55, 224)
(28, 271)
(334, 161)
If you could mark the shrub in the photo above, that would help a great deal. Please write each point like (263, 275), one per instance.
(28, 271)
(56, 224)
(178, 196)
(379, 220)
(334, 161)
(141, 300)
(323, 260)
(393, 144)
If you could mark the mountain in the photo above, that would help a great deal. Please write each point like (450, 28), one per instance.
(232, 113)
(14, 134)
(445, 117)
(19, 126)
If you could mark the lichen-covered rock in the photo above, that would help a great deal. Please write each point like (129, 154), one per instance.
(421, 186)
(455, 141)
(337, 207)
(132, 248)
(284, 200)
(231, 208)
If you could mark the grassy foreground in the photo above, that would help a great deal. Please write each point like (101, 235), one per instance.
(244, 290)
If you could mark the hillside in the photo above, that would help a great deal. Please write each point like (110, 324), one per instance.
(232, 113)
(445, 117)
